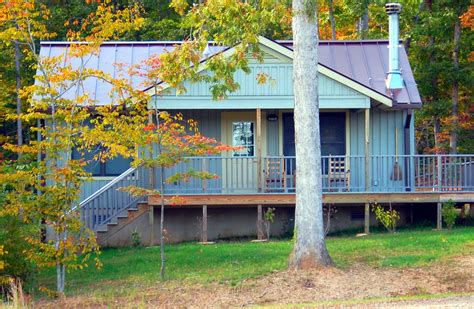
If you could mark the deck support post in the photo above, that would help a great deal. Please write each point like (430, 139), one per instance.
(259, 149)
(259, 222)
(204, 224)
(151, 214)
(439, 217)
(367, 218)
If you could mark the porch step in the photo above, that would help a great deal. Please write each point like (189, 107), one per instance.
(119, 225)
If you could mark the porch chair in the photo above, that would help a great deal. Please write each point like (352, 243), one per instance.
(338, 174)
(275, 175)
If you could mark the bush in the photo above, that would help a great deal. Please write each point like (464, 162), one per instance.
(388, 218)
(136, 238)
(15, 265)
(449, 213)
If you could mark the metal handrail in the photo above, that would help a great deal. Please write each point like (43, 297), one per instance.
(108, 202)
(107, 186)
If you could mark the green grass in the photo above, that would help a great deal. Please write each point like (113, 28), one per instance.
(129, 269)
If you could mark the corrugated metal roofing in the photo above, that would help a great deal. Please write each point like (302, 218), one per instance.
(365, 62)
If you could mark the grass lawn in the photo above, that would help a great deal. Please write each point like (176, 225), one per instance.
(129, 269)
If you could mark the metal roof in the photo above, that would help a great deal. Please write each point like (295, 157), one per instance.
(365, 62)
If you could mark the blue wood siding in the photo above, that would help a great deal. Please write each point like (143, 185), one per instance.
(209, 121)
(277, 92)
(383, 124)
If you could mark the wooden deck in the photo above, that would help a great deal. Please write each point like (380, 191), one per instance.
(335, 198)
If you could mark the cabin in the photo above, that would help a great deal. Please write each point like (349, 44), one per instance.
(368, 99)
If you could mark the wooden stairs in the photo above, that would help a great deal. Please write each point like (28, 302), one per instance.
(118, 232)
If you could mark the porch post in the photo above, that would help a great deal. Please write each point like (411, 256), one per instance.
(439, 217)
(367, 149)
(367, 170)
(204, 224)
(259, 150)
(367, 218)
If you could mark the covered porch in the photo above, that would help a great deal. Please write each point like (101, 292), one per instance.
(363, 149)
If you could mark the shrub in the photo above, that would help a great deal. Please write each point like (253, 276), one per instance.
(136, 238)
(388, 218)
(269, 217)
(449, 213)
(14, 263)
(14, 232)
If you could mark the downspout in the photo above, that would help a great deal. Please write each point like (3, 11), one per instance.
(408, 160)
(394, 78)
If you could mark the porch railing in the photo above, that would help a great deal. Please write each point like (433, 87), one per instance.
(279, 175)
(342, 174)
(109, 201)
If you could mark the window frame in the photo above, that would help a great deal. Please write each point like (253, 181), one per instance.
(239, 154)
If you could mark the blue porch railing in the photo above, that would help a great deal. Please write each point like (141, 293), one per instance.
(279, 175)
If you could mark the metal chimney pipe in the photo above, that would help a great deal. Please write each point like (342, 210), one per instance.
(394, 76)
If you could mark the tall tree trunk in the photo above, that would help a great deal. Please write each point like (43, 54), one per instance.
(364, 22)
(453, 141)
(19, 125)
(60, 267)
(310, 248)
(162, 225)
(436, 132)
(332, 19)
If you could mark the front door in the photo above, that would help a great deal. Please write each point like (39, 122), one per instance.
(239, 167)
(333, 134)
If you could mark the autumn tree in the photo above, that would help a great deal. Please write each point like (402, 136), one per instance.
(168, 140)
(49, 190)
(440, 57)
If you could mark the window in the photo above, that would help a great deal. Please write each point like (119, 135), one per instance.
(112, 167)
(243, 136)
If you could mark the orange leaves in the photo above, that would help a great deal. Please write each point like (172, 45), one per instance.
(149, 127)
(177, 200)
(467, 19)
(23, 19)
